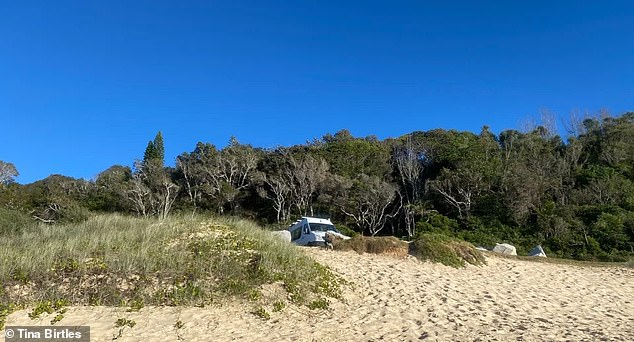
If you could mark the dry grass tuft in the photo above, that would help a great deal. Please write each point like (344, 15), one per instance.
(445, 250)
(386, 245)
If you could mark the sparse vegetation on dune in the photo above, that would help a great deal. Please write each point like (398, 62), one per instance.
(432, 247)
(125, 261)
(375, 245)
(445, 250)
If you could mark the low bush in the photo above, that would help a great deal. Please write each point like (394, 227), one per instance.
(345, 230)
(13, 221)
(376, 245)
(445, 250)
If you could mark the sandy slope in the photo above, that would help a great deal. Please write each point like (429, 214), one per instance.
(403, 299)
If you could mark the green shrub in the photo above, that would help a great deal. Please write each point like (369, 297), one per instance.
(13, 221)
(319, 303)
(278, 306)
(6, 310)
(262, 313)
(445, 250)
(48, 307)
(610, 232)
(375, 245)
(488, 232)
(437, 223)
(74, 213)
(122, 323)
(345, 230)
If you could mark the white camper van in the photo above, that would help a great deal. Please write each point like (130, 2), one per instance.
(311, 231)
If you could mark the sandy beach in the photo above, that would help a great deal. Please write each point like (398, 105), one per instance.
(392, 299)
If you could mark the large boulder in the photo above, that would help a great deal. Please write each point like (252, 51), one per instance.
(285, 235)
(537, 251)
(504, 248)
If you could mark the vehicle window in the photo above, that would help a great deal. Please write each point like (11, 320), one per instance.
(296, 234)
(305, 227)
(322, 227)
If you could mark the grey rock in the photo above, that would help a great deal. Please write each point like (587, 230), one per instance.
(285, 235)
(505, 248)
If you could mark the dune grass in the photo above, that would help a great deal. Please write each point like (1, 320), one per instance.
(126, 261)
(376, 245)
(445, 250)
(427, 247)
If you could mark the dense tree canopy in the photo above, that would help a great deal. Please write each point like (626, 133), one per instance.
(573, 196)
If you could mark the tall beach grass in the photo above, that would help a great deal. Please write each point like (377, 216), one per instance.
(121, 260)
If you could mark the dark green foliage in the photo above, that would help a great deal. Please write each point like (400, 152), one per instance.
(610, 233)
(55, 199)
(343, 229)
(110, 194)
(351, 157)
(434, 222)
(150, 152)
(573, 196)
(155, 151)
(159, 147)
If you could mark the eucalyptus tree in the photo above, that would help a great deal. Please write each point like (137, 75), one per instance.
(201, 175)
(467, 167)
(59, 198)
(8, 172)
(110, 189)
(368, 201)
(217, 178)
(152, 190)
(351, 157)
(237, 165)
(409, 163)
(292, 179)
(534, 172)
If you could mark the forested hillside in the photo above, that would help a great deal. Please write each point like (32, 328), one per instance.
(575, 196)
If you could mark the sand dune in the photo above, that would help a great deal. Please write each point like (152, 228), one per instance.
(393, 299)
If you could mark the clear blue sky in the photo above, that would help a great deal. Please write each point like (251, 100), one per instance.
(86, 84)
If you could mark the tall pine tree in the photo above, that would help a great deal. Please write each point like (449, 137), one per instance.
(160, 149)
(155, 151)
